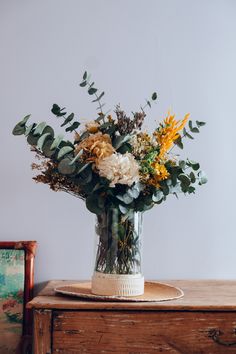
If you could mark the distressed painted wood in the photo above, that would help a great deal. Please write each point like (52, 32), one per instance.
(141, 332)
(42, 331)
(202, 295)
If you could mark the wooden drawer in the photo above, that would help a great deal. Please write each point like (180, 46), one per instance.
(143, 332)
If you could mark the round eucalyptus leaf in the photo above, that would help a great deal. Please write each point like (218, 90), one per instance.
(39, 128)
(185, 180)
(64, 151)
(49, 130)
(19, 130)
(47, 148)
(32, 140)
(65, 168)
(92, 204)
(43, 138)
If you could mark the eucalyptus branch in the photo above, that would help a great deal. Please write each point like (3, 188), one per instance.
(187, 133)
(71, 124)
(181, 137)
(93, 91)
(97, 98)
(148, 101)
(58, 112)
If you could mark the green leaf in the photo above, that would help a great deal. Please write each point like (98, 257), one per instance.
(123, 209)
(49, 130)
(119, 140)
(179, 143)
(202, 177)
(185, 180)
(20, 128)
(82, 168)
(195, 165)
(42, 140)
(149, 103)
(65, 168)
(195, 130)
(77, 156)
(192, 177)
(47, 148)
(92, 90)
(136, 189)
(32, 139)
(154, 96)
(164, 187)
(84, 136)
(99, 97)
(191, 189)
(182, 164)
(125, 198)
(85, 75)
(190, 124)
(83, 84)
(39, 128)
(97, 187)
(56, 142)
(57, 110)
(68, 119)
(93, 205)
(200, 124)
(187, 134)
(126, 147)
(64, 151)
(24, 120)
(29, 129)
(85, 176)
(157, 196)
(74, 126)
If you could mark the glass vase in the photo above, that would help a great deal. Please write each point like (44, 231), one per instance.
(118, 266)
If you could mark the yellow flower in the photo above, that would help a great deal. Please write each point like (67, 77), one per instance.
(95, 147)
(161, 174)
(160, 171)
(92, 127)
(167, 133)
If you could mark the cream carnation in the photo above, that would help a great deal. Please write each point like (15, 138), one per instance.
(118, 168)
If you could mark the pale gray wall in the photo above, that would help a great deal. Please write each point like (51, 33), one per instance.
(186, 50)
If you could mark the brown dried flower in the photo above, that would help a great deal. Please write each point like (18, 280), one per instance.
(125, 124)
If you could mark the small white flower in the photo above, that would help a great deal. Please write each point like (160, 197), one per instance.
(118, 168)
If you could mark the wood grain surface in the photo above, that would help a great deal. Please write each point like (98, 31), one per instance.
(42, 331)
(141, 332)
(202, 295)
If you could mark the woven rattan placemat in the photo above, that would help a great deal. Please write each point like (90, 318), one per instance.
(153, 291)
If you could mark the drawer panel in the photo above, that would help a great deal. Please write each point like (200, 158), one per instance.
(172, 332)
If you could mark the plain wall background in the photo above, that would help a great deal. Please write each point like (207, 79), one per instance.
(186, 51)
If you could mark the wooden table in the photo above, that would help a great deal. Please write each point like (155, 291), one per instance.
(203, 321)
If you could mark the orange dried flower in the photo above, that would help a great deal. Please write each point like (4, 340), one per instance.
(95, 147)
(167, 133)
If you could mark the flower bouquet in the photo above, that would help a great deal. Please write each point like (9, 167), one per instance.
(120, 171)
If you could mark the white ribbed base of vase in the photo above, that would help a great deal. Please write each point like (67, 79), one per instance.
(117, 284)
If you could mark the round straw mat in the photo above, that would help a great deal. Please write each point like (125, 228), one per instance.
(153, 291)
